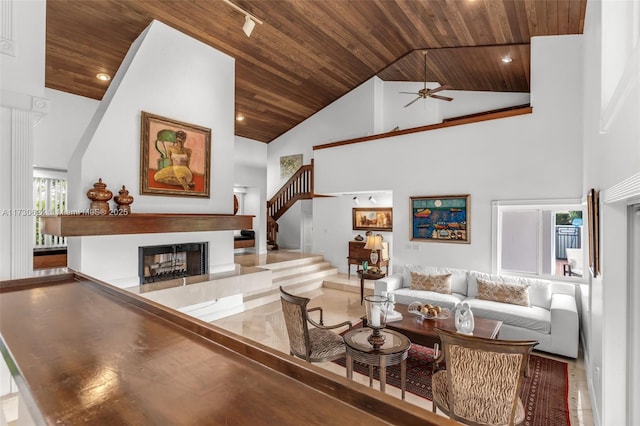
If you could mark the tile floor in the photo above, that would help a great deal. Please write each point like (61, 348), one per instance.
(265, 325)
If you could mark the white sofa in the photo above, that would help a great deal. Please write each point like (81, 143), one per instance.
(551, 318)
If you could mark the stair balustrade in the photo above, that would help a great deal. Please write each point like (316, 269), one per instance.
(298, 187)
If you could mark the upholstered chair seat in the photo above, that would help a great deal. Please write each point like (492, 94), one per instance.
(325, 344)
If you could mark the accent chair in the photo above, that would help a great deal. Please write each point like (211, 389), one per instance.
(482, 382)
(313, 344)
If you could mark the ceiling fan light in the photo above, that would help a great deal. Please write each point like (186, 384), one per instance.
(248, 26)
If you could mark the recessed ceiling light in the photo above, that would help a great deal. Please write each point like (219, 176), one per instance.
(239, 117)
(506, 59)
(103, 76)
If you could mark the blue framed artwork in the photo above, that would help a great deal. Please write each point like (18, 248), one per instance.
(442, 218)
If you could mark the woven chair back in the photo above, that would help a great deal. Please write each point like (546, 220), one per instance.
(484, 377)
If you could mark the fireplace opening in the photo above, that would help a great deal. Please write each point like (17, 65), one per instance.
(170, 261)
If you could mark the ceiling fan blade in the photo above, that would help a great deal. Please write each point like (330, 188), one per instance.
(409, 93)
(419, 97)
(438, 89)
(443, 98)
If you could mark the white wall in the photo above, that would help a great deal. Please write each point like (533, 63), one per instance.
(250, 158)
(349, 117)
(612, 160)
(57, 135)
(196, 86)
(333, 225)
(372, 108)
(430, 111)
(22, 64)
(523, 157)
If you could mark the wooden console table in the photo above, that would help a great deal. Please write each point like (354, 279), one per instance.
(357, 254)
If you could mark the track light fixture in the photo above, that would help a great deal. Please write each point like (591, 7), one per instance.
(248, 26)
(356, 201)
(249, 19)
(373, 200)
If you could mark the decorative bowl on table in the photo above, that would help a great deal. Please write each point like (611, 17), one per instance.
(428, 311)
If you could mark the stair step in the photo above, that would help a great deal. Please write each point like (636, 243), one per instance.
(305, 275)
(297, 275)
(291, 281)
(294, 262)
(273, 294)
(298, 269)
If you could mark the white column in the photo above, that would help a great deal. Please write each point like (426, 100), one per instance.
(7, 39)
(22, 221)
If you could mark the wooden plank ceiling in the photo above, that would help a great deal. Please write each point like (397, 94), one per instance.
(308, 53)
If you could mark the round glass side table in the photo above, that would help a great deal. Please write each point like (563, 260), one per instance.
(394, 351)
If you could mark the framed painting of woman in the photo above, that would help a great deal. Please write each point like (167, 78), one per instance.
(175, 157)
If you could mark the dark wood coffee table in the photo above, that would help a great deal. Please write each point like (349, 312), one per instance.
(422, 331)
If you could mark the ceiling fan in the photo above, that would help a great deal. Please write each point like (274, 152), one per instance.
(425, 93)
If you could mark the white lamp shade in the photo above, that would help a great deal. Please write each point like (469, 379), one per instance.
(374, 242)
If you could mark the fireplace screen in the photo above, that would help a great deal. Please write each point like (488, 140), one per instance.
(166, 262)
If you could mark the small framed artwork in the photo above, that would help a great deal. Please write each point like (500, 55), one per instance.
(442, 218)
(175, 157)
(593, 217)
(289, 164)
(372, 218)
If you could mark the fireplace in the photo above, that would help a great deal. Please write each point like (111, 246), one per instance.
(171, 261)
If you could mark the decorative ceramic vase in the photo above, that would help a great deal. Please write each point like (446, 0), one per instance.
(359, 238)
(123, 200)
(99, 197)
(464, 319)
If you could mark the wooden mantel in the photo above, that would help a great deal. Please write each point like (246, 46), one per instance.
(141, 223)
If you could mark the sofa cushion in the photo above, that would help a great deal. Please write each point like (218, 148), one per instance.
(458, 276)
(406, 296)
(531, 317)
(539, 290)
(502, 292)
(437, 283)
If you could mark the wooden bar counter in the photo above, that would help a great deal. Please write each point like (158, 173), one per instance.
(85, 352)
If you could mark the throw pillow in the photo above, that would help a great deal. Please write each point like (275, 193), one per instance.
(437, 283)
(502, 292)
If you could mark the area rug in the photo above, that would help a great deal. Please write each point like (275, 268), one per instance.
(544, 394)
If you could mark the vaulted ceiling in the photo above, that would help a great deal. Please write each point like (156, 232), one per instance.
(308, 53)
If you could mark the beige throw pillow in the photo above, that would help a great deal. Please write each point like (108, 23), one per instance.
(505, 293)
(437, 283)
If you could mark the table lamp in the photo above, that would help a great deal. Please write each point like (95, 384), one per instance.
(374, 243)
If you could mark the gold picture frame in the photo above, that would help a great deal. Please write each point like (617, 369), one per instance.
(593, 217)
(175, 157)
(372, 218)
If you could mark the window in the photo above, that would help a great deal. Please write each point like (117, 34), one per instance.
(533, 238)
(49, 198)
